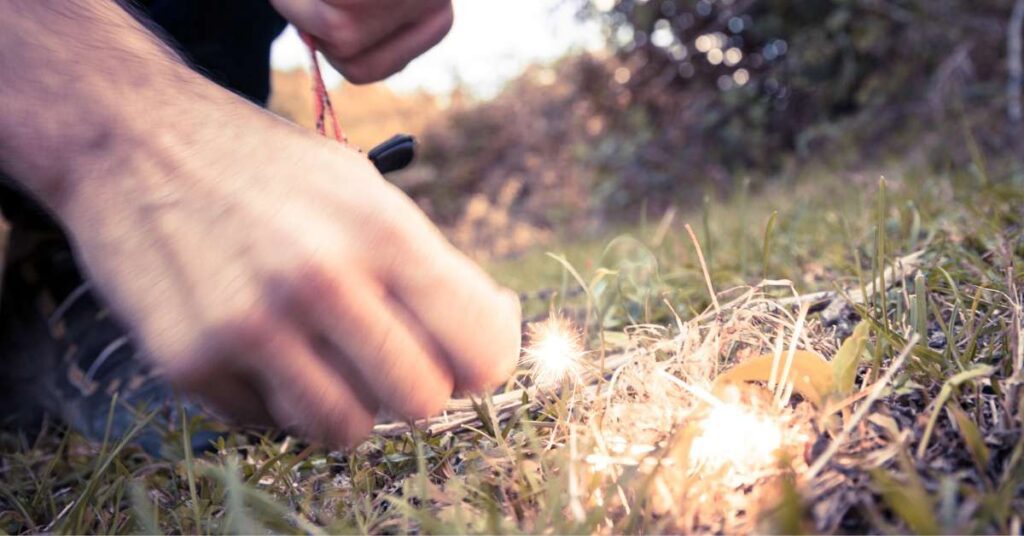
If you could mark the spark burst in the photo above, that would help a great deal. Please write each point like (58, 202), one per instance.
(555, 353)
(737, 438)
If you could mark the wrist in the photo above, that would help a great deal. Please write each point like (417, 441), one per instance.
(146, 150)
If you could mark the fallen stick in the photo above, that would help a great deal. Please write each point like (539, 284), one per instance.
(902, 269)
(460, 412)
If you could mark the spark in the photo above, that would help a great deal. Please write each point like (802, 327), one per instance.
(555, 353)
(737, 438)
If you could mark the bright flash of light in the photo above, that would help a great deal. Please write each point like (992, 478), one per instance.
(737, 438)
(555, 353)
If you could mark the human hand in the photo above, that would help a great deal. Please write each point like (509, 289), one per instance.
(279, 277)
(368, 40)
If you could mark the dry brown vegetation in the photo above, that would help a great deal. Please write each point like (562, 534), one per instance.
(368, 114)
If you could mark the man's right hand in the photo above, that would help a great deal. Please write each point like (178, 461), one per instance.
(274, 273)
(280, 277)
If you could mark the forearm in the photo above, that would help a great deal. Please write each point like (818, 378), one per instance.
(81, 84)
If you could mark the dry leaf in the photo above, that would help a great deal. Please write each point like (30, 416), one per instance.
(810, 373)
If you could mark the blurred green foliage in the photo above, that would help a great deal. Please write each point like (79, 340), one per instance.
(784, 69)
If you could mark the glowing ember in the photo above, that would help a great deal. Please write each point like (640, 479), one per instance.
(738, 438)
(555, 352)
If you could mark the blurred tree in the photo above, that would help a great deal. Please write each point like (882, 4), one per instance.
(783, 68)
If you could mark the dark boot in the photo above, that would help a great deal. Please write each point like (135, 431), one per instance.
(64, 354)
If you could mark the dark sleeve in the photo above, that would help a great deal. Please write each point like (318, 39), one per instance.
(228, 41)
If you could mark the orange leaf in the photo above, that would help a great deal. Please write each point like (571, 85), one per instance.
(810, 373)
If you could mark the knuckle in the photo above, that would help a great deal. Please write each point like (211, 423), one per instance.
(310, 281)
(316, 288)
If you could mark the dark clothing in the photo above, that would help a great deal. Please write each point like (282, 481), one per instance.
(226, 40)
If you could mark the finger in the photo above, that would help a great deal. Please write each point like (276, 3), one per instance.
(351, 27)
(329, 353)
(381, 344)
(236, 399)
(222, 384)
(305, 395)
(476, 323)
(393, 54)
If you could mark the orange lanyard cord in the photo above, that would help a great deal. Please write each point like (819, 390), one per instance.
(321, 100)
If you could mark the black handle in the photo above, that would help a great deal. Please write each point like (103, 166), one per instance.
(394, 154)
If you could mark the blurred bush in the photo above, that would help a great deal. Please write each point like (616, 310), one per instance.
(786, 70)
(691, 96)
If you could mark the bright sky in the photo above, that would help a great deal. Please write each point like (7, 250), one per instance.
(490, 43)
